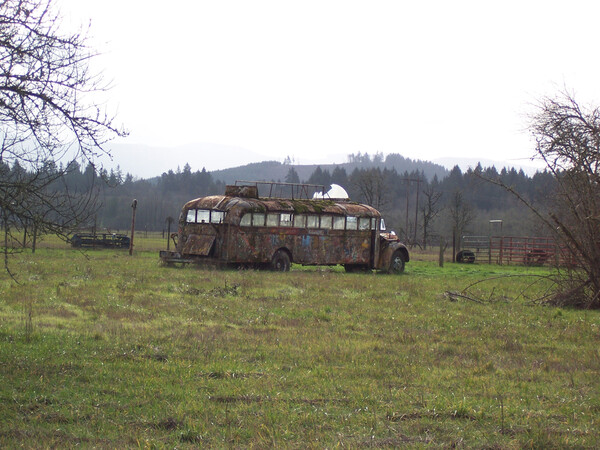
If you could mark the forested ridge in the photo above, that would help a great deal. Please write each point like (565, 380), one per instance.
(459, 200)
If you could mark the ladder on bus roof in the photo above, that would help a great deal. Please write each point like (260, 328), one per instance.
(297, 191)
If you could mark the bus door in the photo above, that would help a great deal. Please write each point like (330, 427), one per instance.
(375, 241)
(200, 233)
(200, 241)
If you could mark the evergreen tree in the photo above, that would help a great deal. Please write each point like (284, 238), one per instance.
(292, 176)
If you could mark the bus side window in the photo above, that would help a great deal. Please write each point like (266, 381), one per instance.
(338, 223)
(203, 216)
(285, 220)
(272, 220)
(351, 223)
(364, 223)
(312, 221)
(300, 221)
(191, 216)
(217, 216)
(373, 223)
(258, 220)
(382, 226)
(246, 220)
(326, 222)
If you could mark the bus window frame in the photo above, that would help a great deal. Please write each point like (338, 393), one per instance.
(315, 221)
(299, 221)
(187, 217)
(256, 221)
(193, 216)
(247, 217)
(339, 223)
(326, 218)
(286, 220)
(205, 213)
(352, 223)
(364, 223)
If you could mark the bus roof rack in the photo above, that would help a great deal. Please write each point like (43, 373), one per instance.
(278, 189)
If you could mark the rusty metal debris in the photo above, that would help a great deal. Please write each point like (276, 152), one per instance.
(102, 240)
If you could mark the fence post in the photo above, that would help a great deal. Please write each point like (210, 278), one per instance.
(443, 246)
(133, 206)
(454, 245)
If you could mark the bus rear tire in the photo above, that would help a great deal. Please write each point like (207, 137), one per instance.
(281, 261)
(397, 263)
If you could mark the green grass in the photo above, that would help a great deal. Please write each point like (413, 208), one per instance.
(106, 350)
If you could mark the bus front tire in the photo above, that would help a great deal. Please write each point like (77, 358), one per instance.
(397, 263)
(281, 261)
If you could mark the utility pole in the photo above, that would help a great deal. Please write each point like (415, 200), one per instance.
(408, 181)
(417, 208)
(133, 207)
(406, 215)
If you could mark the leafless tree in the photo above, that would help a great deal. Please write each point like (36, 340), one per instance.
(50, 114)
(567, 137)
(430, 210)
(568, 141)
(372, 185)
(461, 215)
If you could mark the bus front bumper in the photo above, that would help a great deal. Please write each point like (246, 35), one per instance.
(173, 257)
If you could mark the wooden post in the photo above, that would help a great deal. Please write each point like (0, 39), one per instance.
(133, 207)
(33, 244)
(417, 209)
(454, 245)
(443, 246)
(168, 233)
(407, 195)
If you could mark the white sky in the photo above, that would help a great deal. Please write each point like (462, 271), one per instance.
(426, 79)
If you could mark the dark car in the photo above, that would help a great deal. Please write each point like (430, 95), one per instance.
(465, 256)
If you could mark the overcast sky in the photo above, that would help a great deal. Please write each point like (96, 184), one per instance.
(426, 79)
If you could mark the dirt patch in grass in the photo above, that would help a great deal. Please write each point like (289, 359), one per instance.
(168, 424)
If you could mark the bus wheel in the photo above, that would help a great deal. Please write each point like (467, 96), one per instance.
(280, 261)
(396, 263)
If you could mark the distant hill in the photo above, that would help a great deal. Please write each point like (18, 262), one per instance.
(276, 171)
(148, 162)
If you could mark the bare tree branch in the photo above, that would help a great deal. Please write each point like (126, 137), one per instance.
(50, 114)
(567, 139)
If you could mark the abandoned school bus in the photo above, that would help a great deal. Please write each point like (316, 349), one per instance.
(241, 228)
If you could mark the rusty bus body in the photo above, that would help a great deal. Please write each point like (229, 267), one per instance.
(240, 228)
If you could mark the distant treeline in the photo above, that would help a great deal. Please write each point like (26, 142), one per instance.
(441, 200)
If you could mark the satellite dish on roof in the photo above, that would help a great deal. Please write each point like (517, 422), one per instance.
(336, 192)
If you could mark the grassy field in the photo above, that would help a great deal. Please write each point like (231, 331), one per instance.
(106, 350)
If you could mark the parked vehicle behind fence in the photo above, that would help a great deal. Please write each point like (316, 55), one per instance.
(241, 228)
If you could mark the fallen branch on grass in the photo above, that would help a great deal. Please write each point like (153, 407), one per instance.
(454, 296)
(560, 292)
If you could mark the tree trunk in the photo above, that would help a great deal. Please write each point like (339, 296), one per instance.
(443, 246)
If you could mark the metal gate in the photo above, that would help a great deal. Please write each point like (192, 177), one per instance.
(529, 251)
